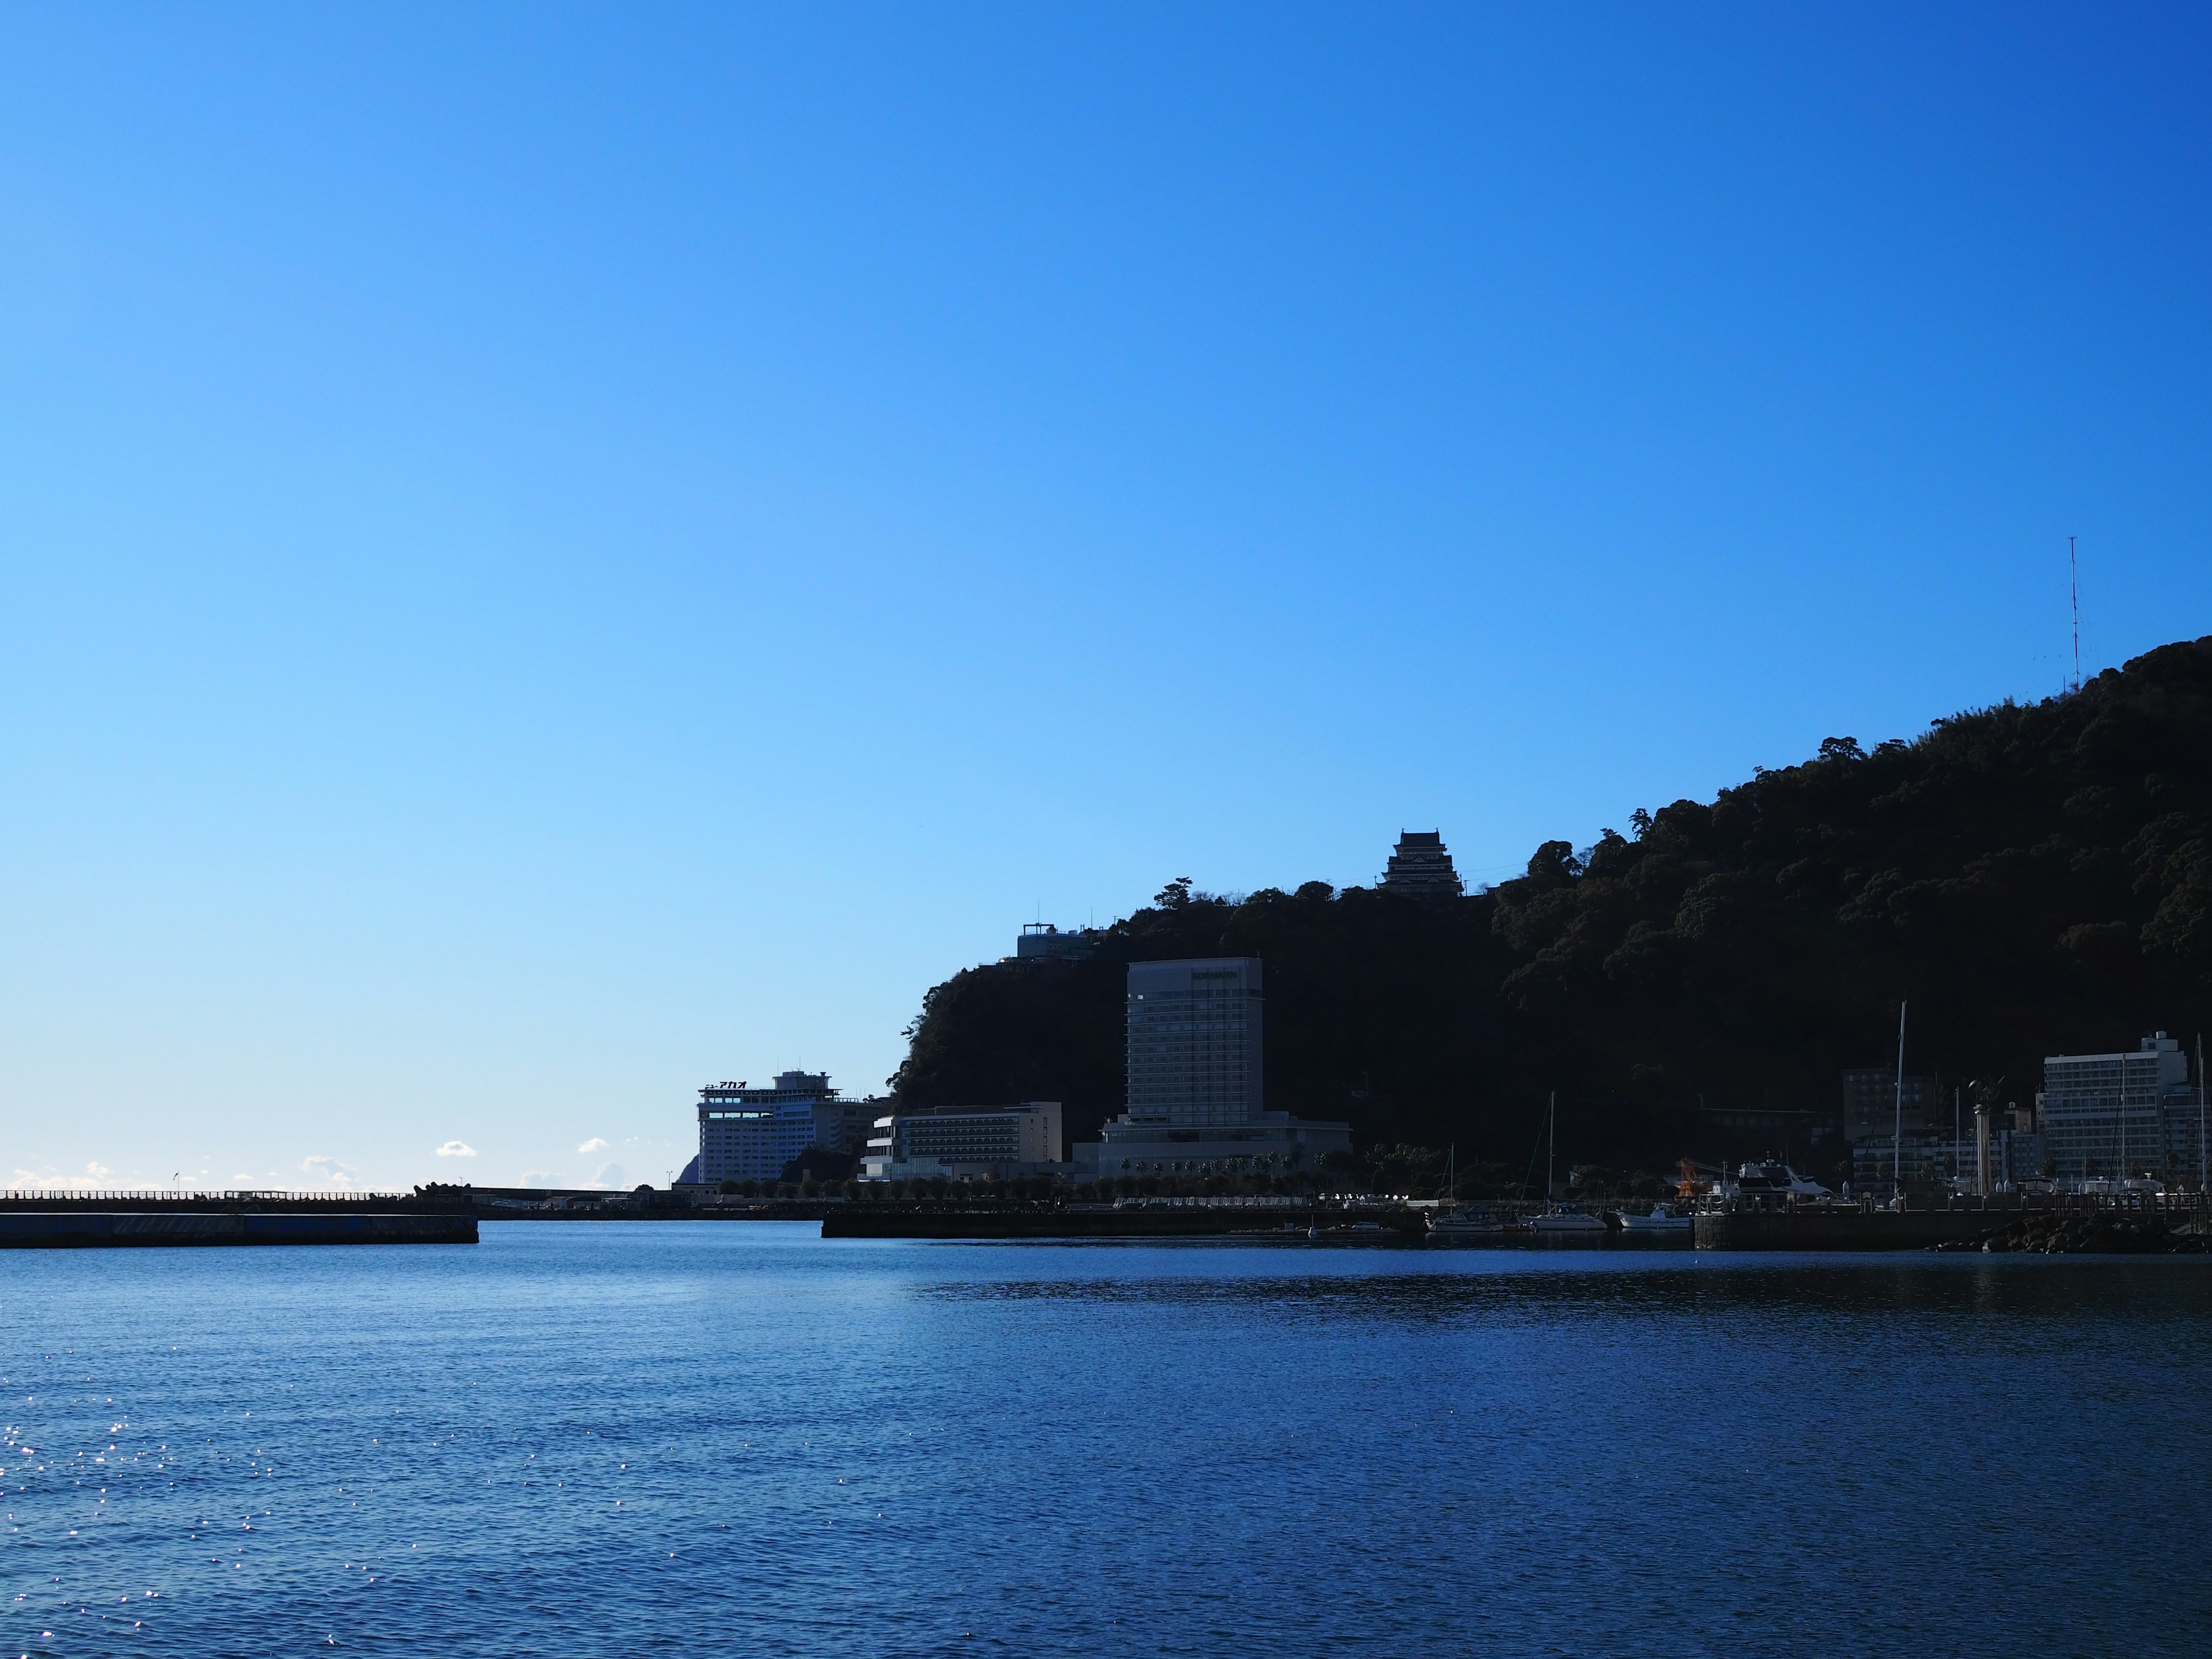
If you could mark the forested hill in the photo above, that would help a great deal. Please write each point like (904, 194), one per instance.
(2034, 879)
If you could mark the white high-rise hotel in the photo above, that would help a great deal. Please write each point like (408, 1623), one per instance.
(1196, 1035)
(1197, 1099)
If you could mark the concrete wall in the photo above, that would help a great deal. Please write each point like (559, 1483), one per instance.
(99, 1229)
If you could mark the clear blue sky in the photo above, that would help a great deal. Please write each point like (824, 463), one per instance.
(549, 555)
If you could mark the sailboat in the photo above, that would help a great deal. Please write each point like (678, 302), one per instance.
(1556, 1222)
(1459, 1222)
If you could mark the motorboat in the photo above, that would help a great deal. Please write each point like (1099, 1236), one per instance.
(1658, 1222)
(1772, 1180)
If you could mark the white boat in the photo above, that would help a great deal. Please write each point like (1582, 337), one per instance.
(1558, 1222)
(1470, 1221)
(1658, 1222)
(1769, 1179)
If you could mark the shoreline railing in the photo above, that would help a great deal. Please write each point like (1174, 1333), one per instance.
(228, 1198)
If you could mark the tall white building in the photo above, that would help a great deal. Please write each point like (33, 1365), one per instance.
(2121, 1114)
(1195, 1042)
(1197, 1097)
(749, 1134)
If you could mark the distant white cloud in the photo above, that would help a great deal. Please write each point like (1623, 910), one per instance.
(596, 1144)
(96, 1170)
(539, 1178)
(320, 1167)
(610, 1175)
(31, 1180)
(456, 1149)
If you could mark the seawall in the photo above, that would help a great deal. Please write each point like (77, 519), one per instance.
(868, 1221)
(1838, 1229)
(59, 1229)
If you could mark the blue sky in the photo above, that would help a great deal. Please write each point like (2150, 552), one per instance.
(549, 555)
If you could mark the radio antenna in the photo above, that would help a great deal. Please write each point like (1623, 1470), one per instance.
(2073, 576)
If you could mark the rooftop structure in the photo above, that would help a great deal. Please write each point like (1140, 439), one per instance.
(1041, 941)
(1421, 867)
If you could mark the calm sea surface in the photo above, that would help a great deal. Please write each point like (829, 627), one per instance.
(621, 1439)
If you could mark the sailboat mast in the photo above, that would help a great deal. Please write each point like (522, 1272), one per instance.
(1897, 1144)
(1551, 1145)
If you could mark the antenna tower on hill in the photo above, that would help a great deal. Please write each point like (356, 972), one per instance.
(2074, 575)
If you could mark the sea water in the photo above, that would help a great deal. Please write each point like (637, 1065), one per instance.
(620, 1438)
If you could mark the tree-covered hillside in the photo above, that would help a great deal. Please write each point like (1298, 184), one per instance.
(2035, 878)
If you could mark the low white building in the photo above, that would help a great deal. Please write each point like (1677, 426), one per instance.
(1274, 1144)
(974, 1142)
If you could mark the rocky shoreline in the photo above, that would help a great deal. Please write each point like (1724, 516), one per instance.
(2087, 1235)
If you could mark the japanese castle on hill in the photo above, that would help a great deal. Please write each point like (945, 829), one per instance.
(1421, 867)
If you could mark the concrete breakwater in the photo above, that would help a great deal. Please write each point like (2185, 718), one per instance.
(872, 1221)
(52, 1223)
(96, 1229)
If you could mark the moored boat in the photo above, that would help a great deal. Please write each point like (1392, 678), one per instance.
(1471, 1221)
(1769, 1179)
(1566, 1222)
